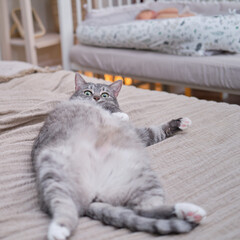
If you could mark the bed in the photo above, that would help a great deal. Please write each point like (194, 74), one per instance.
(108, 36)
(200, 165)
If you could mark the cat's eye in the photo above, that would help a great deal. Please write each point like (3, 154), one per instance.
(88, 93)
(105, 95)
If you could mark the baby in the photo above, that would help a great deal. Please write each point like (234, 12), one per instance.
(146, 14)
(165, 13)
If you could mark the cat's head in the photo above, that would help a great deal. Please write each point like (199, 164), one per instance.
(99, 93)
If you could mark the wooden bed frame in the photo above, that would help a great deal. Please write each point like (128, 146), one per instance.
(67, 41)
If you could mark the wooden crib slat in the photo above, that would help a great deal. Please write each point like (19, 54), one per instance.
(66, 30)
(100, 5)
(110, 3)
(89, 6)
(79, 11)
(119, 2)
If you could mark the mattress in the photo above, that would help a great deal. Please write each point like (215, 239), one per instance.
(218, 72)
(200, 165)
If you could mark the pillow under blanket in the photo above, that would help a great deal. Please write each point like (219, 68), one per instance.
(192, 36)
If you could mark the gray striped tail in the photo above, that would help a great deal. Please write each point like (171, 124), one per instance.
(121, 217)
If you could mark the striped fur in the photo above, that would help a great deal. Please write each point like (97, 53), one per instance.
(90, 161)
(155, 134)
(122, 217)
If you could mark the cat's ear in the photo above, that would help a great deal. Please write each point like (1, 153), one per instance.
(79, 81)
(116, 87)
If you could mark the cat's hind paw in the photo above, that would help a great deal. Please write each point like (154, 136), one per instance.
(185, 123)
(190, 212)
(57, 232)
(121, 116)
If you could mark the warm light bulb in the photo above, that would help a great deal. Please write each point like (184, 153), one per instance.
(108, 77)
(128, 81)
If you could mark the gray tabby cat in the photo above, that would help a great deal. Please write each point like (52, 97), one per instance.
(91, 161)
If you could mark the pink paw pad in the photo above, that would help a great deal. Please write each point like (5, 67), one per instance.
(185, 123)
(193, 217)
(198, 218)
(190, 212)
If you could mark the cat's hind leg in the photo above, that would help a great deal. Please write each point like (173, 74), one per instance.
(57, 197)
(142, 210)
(65, 218)
(189, 212)
(151, 205)
(148, 201)
(186, 211)
(57, 232)
(120, 217)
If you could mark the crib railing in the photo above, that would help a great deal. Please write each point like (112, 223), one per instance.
(112, 3)
(66, 22)
(99, 4)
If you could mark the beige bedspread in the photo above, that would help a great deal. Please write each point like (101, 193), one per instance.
(201, 165)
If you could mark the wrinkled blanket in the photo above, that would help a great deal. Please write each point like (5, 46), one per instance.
(200, 165)
(12, 69)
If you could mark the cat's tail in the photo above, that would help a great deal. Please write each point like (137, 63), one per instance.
(121, 217)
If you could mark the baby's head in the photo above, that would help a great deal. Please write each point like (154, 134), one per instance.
(164, 13)
(146, 14)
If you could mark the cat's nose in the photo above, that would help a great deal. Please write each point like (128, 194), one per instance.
(96, 98)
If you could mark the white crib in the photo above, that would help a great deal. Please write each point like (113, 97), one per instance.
(216, 73)
(66, 20)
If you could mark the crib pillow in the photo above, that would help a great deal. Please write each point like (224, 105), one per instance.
(192, 36)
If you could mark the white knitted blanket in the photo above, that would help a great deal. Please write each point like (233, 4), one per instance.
(200, 165)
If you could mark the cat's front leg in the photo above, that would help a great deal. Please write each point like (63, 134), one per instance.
(121, 116)
(181, 123)
(155, 134)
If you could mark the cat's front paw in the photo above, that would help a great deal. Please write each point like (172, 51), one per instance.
(57, 232)
(185, 123)
(121, 116)
(190, 212)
